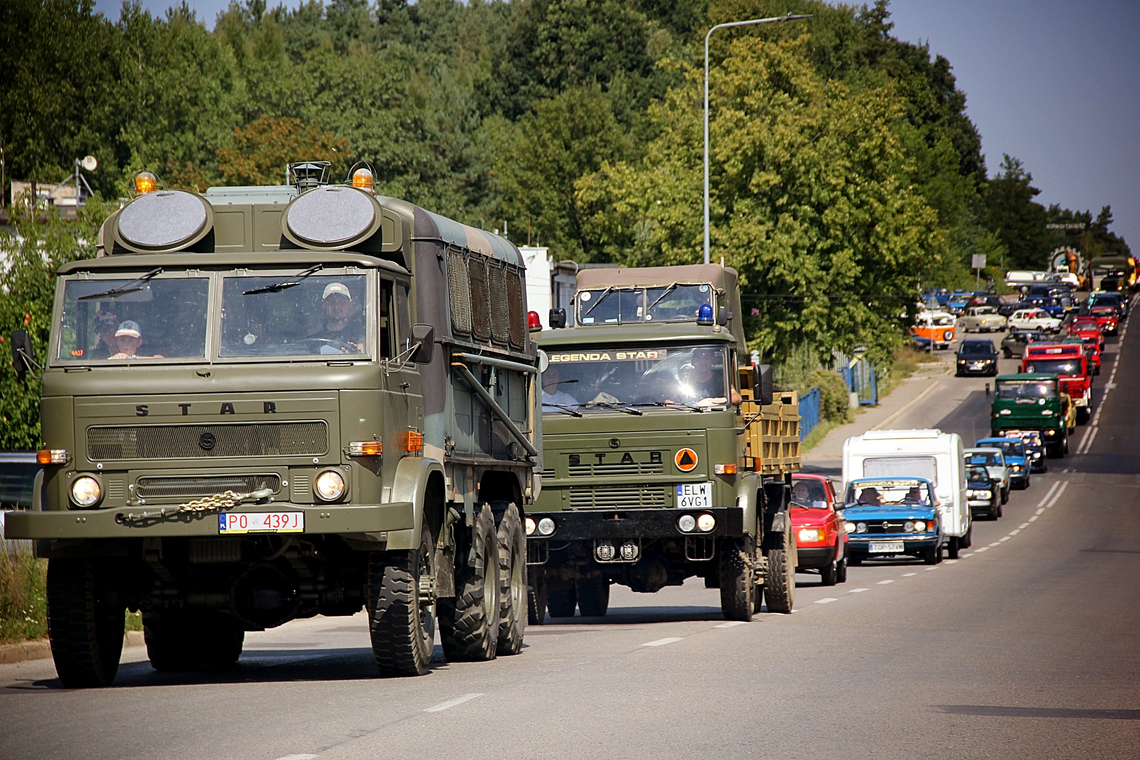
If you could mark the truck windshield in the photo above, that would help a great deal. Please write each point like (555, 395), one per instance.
(1026, 389)
(161, 318)
(1055, 366)
(320, 315)
(585, 378)
(666, 303)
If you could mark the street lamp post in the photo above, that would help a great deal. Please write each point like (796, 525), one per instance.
(788, 17)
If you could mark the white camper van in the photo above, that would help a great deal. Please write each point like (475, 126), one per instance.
(931, 454)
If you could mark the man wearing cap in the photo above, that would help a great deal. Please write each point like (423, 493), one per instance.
(344, 326)
(129, 337)
(106, 324)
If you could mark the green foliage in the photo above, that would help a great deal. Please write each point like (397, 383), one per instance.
(1013, 215)
(31, 251)
(834, 396)
(23, 594)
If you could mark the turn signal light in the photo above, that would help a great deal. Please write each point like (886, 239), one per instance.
(366, 448)
(411, 442)
(145, 182)
(53, 456)
(534, 322)
(724, 469)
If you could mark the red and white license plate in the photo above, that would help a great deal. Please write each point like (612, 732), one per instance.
(261, 522)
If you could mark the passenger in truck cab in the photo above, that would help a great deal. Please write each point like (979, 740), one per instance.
(106, 324)
(701, 382)
(343, 329)
(129, 339)
(553, 393)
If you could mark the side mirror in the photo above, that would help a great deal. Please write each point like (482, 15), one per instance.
(762, 390)
(557, 318)
(723, 315)
(21, 353)
(425, 336)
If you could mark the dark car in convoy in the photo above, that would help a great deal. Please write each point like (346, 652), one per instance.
(977, 357)
(983, 493)
(1115, 300)
(1013, 345)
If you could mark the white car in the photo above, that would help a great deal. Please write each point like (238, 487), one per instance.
(982, 319)
(1034, 319)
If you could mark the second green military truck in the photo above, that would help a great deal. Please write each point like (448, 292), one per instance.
(1031, 401)
(269, 403)
(666, 454)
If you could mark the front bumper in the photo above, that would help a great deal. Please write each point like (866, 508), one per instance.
(108, 523)
(911, 545)
(814, 557)
(636, 523)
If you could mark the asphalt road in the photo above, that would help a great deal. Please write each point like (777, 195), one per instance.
(1026, 647)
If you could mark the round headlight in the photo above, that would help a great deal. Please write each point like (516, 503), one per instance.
(908, 526)
(545, 526)
(861, 527)
(606, 551)
(706, 522)
(530, 526)
(329, 486)
(85, 491)
(849, 527)
(920, 525)
(687, 523)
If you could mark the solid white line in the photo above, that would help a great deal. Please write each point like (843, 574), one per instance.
(453, 702)
(1086, 444)
(858, 590)
(731, 624)
(883, 583)
(661, 642)
(1050, 493)
(1057, 496)
(826, 600)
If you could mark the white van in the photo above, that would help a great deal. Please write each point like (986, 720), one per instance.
(929, 454)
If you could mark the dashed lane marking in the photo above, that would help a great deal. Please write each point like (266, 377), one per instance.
(908, 575)
(884, 583)
(995, 543)
(453, 702)
(1015, 532)
(826, 600)
(951, 561)
(1034, 518)
(297, 757)
(731, 624)
(1004, 538)
(981, 549)
(662, 642)
(1023, 526)
(858, 590)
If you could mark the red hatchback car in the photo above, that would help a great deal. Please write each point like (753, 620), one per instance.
(821, 540)
(1106, 317)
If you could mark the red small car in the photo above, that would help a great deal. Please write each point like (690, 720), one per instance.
(1087, 326)
(821, 539)
(1106, 317)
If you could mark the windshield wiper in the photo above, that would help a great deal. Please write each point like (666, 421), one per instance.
(668, 290)
(605, 294)
(619, 407)
(564, 408)
(124, 289)
(671, 403)
(293, 281)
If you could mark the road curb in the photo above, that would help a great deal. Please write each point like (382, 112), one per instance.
(41, 649)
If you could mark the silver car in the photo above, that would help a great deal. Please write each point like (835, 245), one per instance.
(994, 462)
(982, 319)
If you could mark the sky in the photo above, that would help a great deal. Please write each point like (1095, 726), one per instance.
(1054, 83)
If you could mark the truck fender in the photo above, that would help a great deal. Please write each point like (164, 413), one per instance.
(748, 499)
(410, 485)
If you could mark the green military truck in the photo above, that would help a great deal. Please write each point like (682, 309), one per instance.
(1031, 401)
(269, 403)
(666, 454)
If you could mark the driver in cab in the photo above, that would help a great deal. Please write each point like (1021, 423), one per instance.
(343, 329)
(701, 383)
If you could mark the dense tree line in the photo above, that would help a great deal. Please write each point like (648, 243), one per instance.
(845, 172)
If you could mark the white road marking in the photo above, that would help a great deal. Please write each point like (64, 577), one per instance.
(731, 624)
(297, 757)
(995, 543)
(1034, 518)
(1023, 526)
(908, 575)
(661, 642)
(826, 600)
(1057, 495)
(1086, 442)
(885, 424)
(858, 590)
(883, 583)
(951, 561)
(453, 702)
(1047, 495)
(981, 549)
(931, 568)
(1004, 538)
(1040, 511)
(1015, 532)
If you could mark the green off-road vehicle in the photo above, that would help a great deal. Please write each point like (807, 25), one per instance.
(268, 403)
(666, 456)
(1031, 401)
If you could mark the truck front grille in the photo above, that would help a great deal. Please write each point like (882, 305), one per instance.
(105, 444)
(207, 485)
(607, 497)
(615, 468)
(881, 527)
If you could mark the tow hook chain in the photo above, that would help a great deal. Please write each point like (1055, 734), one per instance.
(213, 503)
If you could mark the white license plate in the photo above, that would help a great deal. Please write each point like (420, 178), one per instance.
(694, 496)
(261, 522)
(977, 365)
(887, 547)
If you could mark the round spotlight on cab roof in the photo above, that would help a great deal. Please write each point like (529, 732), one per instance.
(545, 526)
(329, 485)
(86, 491)
(531, 526)
(687, 523)
(706, 523)
(163, 221)
(332, 217)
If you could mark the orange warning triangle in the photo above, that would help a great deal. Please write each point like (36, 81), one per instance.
(685, 460)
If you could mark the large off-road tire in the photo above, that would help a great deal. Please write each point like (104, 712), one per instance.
(593, 595)
(469, 623)
(780, 585)
(182, 640)
(829, 574)
(561, 597)
(85, 622)
(513, 590)
(737, 578)
(536, 595)
(400, 600)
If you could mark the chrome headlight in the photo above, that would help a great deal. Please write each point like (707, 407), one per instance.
(530, 526)
(809, 535)
(86, 491)
(545, 526)
(706, 523)
(329, 485)
(687, 523)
